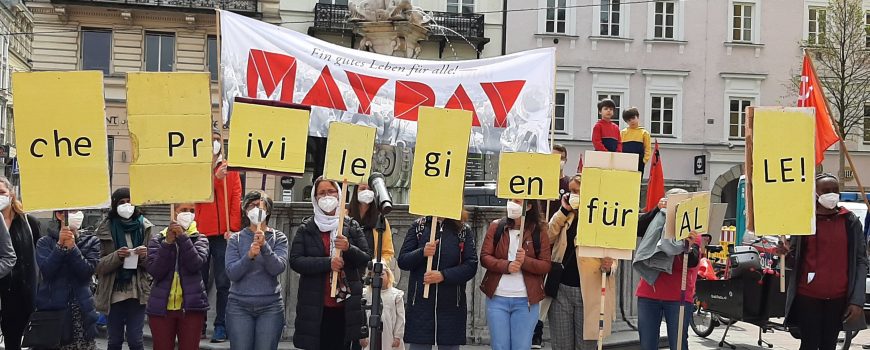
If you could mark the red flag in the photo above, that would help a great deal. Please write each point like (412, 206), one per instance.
(812, 95)
(655, 186)
(580, 166)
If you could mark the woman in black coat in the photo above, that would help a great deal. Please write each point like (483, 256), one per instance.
(324, 322)
(454, 264)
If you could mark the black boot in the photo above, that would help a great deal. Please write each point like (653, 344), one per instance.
(538, 337)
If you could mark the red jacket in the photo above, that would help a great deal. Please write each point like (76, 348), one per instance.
(211, 217)
(606, 137)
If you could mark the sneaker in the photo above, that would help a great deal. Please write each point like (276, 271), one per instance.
(538, 337)
(220, 334)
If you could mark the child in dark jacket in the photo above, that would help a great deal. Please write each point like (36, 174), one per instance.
(605, 134)
(178, 303)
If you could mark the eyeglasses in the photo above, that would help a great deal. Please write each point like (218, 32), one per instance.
(332, 192)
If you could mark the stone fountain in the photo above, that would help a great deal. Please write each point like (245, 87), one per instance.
(389, 27)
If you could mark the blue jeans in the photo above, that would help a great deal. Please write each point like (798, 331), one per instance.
(217, 248)
(126, 318)
(430, 347)
(511, 322)
(254, 327)
(649, 322)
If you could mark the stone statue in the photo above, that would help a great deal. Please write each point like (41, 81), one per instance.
(386, 10)
(389, 27)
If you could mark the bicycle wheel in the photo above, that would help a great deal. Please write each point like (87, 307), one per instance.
(702, 321)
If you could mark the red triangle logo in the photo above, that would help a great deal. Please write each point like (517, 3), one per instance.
(460, 100)
(365, 87)
(325, 93)
(502, 96)
(410, 96)
(271, 69)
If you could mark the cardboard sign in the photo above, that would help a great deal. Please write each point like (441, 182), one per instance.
(528, 176)
(169, 118)
(608, 210)
(782, 167)
(438, 175)
(60, 127)
(269, 138)
(349, 152)
(692, 214)
(717, 219)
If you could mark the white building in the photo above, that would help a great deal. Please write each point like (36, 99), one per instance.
(16, 25)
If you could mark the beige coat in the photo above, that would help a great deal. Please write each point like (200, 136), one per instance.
(590, 280)
(109, 264)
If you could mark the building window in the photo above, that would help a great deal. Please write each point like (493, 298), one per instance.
(662, 115)
(665, 17)
(5, 71)
(557, 12)
(737, 117)
(742, 23)
(334, 2)
(867, 123)
(159, 52)
(460, 6)
(96, 53)
(816, 26)
(867, 27)
(617, 100)
(211, 46)
(560, 116)
(610, 14)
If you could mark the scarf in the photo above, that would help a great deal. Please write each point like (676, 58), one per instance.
(324, 222)
(120, 228)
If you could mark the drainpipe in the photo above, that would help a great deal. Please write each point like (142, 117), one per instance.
(504, 14)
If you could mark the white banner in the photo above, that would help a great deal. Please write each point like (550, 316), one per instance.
(511, 96)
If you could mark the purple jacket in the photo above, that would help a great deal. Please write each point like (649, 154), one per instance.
(186, 256)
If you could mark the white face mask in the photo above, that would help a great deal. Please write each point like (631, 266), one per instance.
(256, 215)
(76, 219)
(829, 200)
(574, 200)
(514, 210)
(4, 202)
(327, 203)
(185, 219)
(366, 196)
(126, 210)
(216, 147)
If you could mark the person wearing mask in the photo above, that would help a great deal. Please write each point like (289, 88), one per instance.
(324, 322)
(826, 284)
(516, 263)
(365, 211)
(454, 263)
(17, 289)
(573, 305)
(392, 314)
(178, 303)
(124, 281)
(66, 263)
(212, 222)
(256, 257)
(659, 262)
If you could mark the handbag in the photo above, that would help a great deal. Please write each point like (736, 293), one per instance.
(48, 329)
(554, 278)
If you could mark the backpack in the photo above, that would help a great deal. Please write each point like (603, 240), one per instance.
(536, 237)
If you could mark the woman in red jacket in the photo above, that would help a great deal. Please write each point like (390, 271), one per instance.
(515, 266)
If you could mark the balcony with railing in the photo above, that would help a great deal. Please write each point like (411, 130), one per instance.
(246, 7)
(443, 26)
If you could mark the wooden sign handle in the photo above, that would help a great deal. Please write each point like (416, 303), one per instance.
(337, 252)
(430, 259)
(782, 268)
(601, 310)
(227, 207)
(681, 323)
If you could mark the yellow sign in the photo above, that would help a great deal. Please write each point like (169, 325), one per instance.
(528, 176)
(268, 138)
(438, 176)
(349, 152)
(608, 210)
(169, 118)
(60, 126)
(783, 167)
(692, 214)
